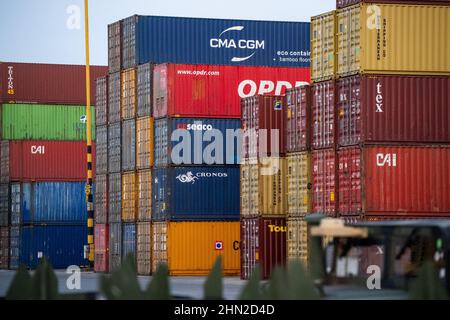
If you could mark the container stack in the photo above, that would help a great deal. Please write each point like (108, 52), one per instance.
(43, 164)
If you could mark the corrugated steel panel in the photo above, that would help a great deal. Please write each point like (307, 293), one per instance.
(128, 145)
(128, 240)
(144, 142)
(114, 46)
(144, 90)
(264, 126)
(16, 201)
(114, 97)
(388, 39)
(144, 248)
(144, 195)
(191, 248)
(114, 147)
(393, 109)
(101, 245)
(14, 247)
(346, 3)
(197, 141)
(325, 181)
(101, 148)
(394, 180)
(46, 83)
(297, 240)
(4, 161)
(299, 184)
(115, 197)
(45, 122)
(115, 246)
(4, 247)
(129, 42)
(196, 193)
(263, 243)
(324, 114)
(101, 198)
(45, 160)
(54, 203)
(263, 187)
(212, 91)
(4, 204)
(323, 46)
(128, 93)
(129, 197)
(298, 119)
(101, 106)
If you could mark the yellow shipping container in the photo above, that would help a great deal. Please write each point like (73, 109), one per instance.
(297, 240)
(128, 93)
(299, 184)
(263, 187)
(144, 143)
(144, 188)
(191, 248)
(129, 197)
(323, 46)
(143, 247)
(393, 39)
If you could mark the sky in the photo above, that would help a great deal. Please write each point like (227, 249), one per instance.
(52, 31)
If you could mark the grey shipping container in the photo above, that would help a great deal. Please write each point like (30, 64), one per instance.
(14, 247)
(101, 161)
(144, 90)
(114, 97)
(115, 246)
(4, 204)
(114, 46)
(129, 42)
(101, 98)
(129, 145)
(115, 197)
(15, 203)
(114, 147)
(4, 247)
(101, 198)
(143, 247)
(4, 161)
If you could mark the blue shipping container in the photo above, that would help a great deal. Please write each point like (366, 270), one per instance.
(14, 253)
(196, 193)
(49, 203)
(115, 246)
(214, 41)
(128, 240)
(200, 141)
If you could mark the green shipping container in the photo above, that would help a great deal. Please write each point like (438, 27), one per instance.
(45, 122)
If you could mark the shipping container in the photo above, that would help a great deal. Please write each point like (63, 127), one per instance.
(144, 143)
(195, 193)
(115, 246)
(187, 141)
(45, 122)
(144, 90)
(298, 119)
(46, 83)
(376, 108)
(4, 247)
(325, 181)
(114, 97)
(14, 247)
(211, 91)
(215, 41)
(31, 160)
(128, 145)
(323, 46)
(394, 180)
(299, 184)
(345, 3)
(101, 159)
(297, 240)
(144, 195)
(191, 248)
(324, 115)
(4, 204)
(263, 243)
(264, 126)
(115, 197)
(129, 196)
(128, 240)
(115, 46)
(114, 147)
(144, 248)
(101, 245)
(101, 199)
(263, 187)
(101, 106)
(388, 40)
(128, 93)
(57, 203)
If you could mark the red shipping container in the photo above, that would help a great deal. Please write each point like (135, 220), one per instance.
(4, 247)
(344, 3)
(101, 248)
(298, 119)
(213, 91)
(47, 83)
(324, 114)
(394, 181)
(263, 242)
(27, 160)
(393, 109)
(261, 113)
(325, 181)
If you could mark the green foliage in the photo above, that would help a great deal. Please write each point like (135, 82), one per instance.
(213, 288)
(158, 288)
(252, 290)
(427, 285)
(21, 286)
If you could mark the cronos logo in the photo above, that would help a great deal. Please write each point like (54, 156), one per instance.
(189, 177)
(249, 44)
(10, 80)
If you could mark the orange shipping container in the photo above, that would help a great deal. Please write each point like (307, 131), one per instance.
(128, 93)
(144, 188)
(144, 143)
(191, 248)
(129, 197)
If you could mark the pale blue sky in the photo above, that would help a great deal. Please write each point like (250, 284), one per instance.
(36, 30)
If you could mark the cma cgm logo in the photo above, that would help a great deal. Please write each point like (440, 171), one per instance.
(10, 80)
(386, 160)
(229, 43)
(189, 177)
(195, 126)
